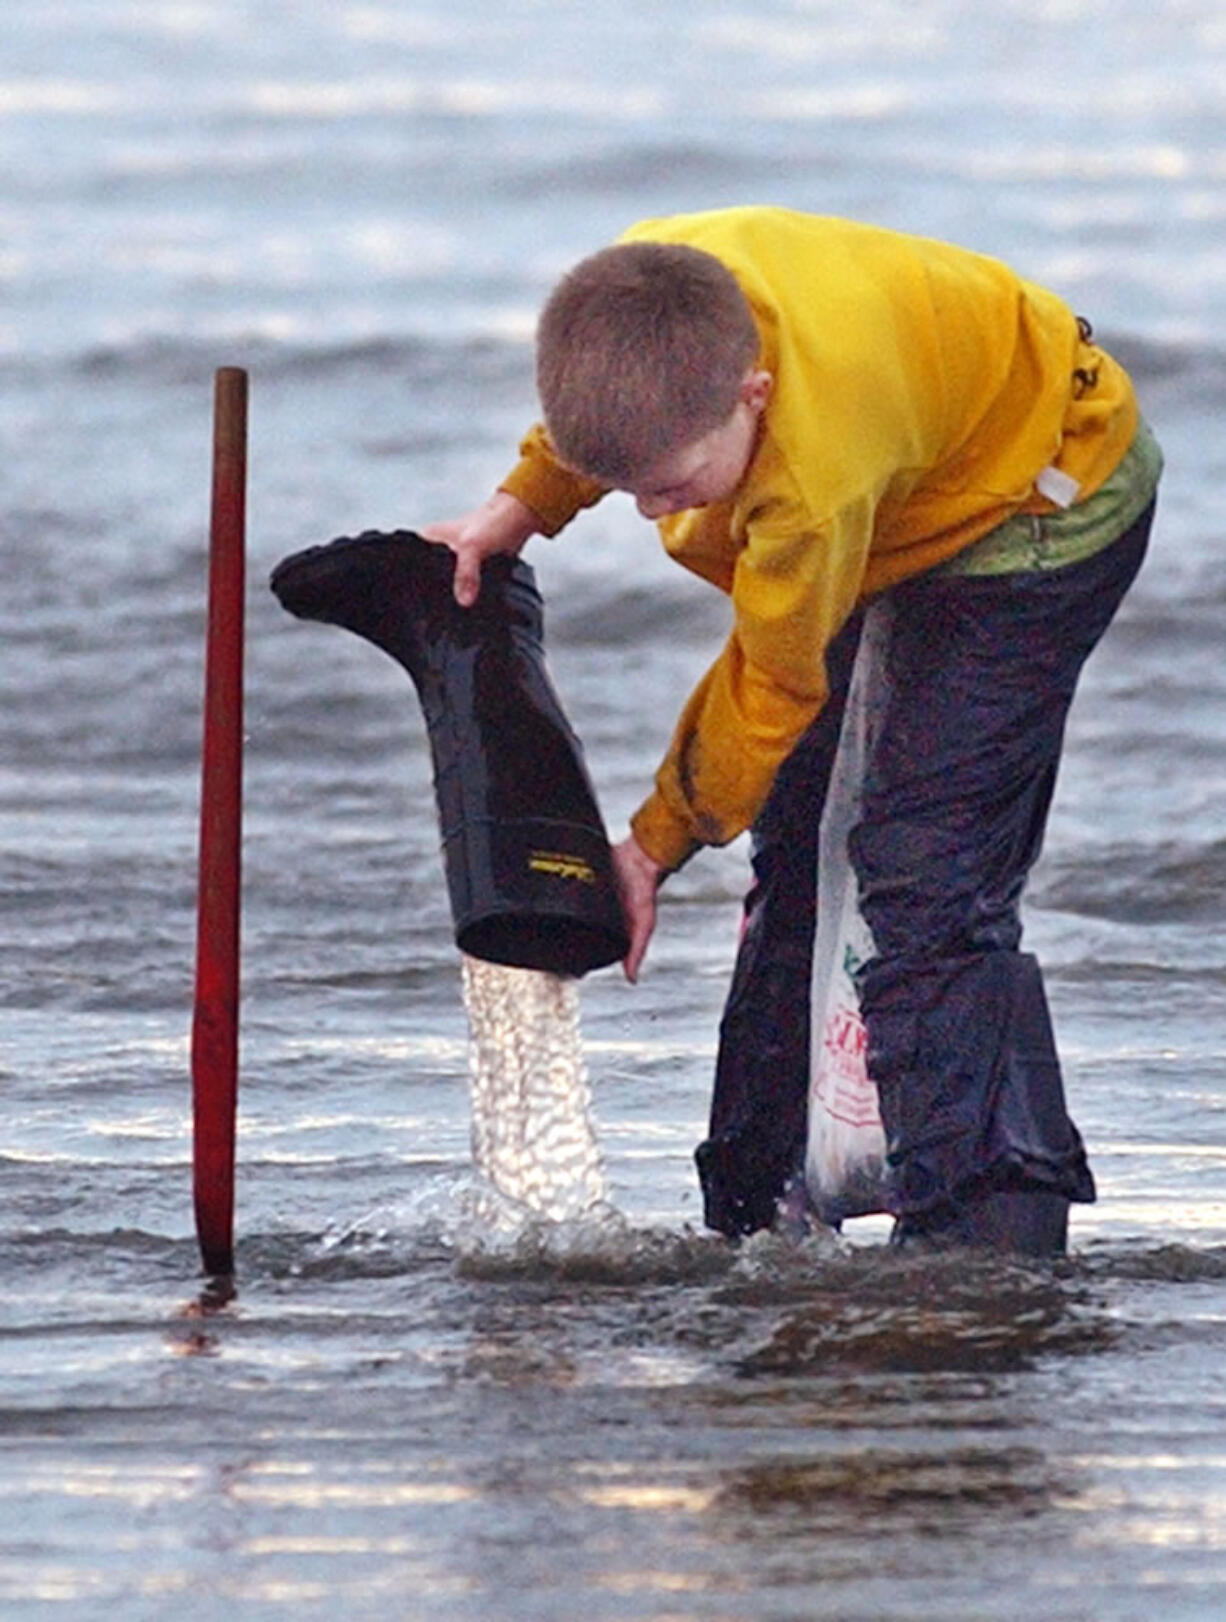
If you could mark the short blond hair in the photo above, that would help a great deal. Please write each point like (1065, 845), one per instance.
(641, 349)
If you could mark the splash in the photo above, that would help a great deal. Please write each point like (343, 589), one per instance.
(533, 1140)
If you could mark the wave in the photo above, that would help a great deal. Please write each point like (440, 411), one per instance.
(479, 358)
(1166, 882)
(487, 344)
(1182, 366)
(613, 616)
(636, 169)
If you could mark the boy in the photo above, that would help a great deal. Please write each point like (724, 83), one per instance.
(817, 413)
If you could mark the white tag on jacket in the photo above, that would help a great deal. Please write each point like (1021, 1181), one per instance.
(1057, 487)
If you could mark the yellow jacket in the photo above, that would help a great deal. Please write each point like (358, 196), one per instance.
(920, 390)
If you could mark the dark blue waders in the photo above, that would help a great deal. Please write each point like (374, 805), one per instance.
(981, 672)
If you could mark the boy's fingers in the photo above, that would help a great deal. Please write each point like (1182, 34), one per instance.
(638, 878)
(467, 585)
(642, 926)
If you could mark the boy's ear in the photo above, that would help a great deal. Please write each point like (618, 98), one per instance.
(756, 389)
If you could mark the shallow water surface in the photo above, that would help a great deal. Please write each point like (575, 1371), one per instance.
(405, 1409)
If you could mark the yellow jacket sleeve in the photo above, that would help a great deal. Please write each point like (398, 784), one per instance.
(553, 491)
(791, 594)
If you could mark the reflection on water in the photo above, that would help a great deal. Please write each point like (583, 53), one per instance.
(686, 1428)
(955, 1314)
(937, 1487)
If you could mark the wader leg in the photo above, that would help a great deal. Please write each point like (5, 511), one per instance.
(759, 1108)
(982, 672)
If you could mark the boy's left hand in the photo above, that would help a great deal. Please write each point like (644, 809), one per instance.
(501, 524)
(638, 879)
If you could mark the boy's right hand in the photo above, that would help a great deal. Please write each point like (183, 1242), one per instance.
(501, 524)
(638, 878)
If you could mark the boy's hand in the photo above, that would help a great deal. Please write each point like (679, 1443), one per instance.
(638, 879)
(501, 524)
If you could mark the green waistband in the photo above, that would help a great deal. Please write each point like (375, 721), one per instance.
(1031, 541)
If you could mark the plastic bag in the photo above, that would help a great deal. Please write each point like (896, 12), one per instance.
(845, 1169)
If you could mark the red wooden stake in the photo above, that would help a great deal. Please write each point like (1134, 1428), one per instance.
(215, 1018)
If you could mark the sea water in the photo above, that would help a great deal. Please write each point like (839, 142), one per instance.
(400, 1410)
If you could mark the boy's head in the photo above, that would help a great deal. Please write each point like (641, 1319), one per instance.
(645, 350)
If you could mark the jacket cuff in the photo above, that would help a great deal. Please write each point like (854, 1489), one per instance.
(662, 834)
(554, 494)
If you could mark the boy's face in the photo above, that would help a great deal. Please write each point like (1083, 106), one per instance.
(708, 469)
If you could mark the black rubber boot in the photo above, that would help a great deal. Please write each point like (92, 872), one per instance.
(529, 871)
(1017, 1221)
